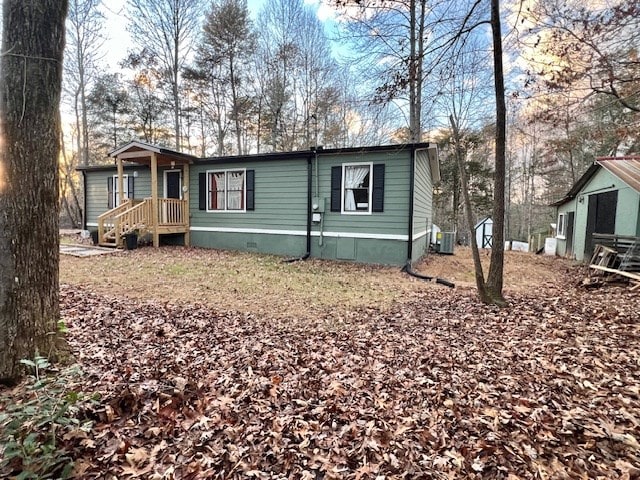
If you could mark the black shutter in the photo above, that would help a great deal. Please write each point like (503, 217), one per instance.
(202, 191)
(130, 187)
(109, 193)
(250, 186)
(336, 188)
(378, 188)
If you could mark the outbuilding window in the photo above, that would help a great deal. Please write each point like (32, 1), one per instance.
(562, 226)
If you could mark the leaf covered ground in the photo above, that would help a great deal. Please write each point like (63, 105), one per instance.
(426, 384)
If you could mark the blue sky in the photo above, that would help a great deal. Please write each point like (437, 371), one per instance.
(118, 41)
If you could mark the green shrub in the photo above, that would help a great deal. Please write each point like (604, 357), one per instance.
(30, 427)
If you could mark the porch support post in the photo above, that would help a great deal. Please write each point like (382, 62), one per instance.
(120, 181)
(154, 199)
(185, 212)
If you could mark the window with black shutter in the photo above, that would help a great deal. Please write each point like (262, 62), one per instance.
(250, 179)
(336, 188)
(357, 188)
(110, 195)
(377, 196)
(226, 190)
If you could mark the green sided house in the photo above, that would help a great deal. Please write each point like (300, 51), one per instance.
(602, 207)
(369, 204)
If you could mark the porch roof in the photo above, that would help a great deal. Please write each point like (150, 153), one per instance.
(140, 152)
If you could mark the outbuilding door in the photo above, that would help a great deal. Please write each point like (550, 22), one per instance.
(569, 235)
(601, 217)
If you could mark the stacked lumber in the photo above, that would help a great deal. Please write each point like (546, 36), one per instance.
(621, 262)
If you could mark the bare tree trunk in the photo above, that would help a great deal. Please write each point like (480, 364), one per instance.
(415, 73)
(84, 39)
(236, 108)
(456, 204)
(81, 116)
(76, 112)
(203, 142)
(30, 85)
(259, 126)
(496, 270)
(85, 122)
(176, 96)
(65, 201)
(477, 264)
(165, 30)
(175, 91)
(419, 71)
(74, 211)
(507, 215)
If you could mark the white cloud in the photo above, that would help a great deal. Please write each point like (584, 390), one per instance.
(324, 10)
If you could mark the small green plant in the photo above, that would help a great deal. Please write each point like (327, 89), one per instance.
(62, 327)
(31, 426)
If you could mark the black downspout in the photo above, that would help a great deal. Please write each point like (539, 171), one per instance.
(407, 267)
(84, 200)
(309, 207)
(412, 187)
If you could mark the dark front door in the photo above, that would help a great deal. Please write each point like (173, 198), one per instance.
(173, 184)
(601, 217)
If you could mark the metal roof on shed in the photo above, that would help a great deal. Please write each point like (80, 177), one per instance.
(626, 169)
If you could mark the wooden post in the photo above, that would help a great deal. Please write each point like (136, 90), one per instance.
(154, 199)
(120, 181)
(185, 211)
(116, 229)
(100, 231)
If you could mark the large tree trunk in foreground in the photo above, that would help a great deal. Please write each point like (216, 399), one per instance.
(496, 270)
(30, 83)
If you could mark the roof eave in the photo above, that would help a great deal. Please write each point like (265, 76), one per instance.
(134, 144)
(580, 183)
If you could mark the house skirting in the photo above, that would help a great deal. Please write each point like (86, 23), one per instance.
(420, 246)
(385, 249)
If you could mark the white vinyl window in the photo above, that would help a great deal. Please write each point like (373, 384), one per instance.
(226, 191)
(356, 188)
(116, 191)
(562, 226)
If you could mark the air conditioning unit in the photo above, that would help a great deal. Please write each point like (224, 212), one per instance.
(445, 242)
